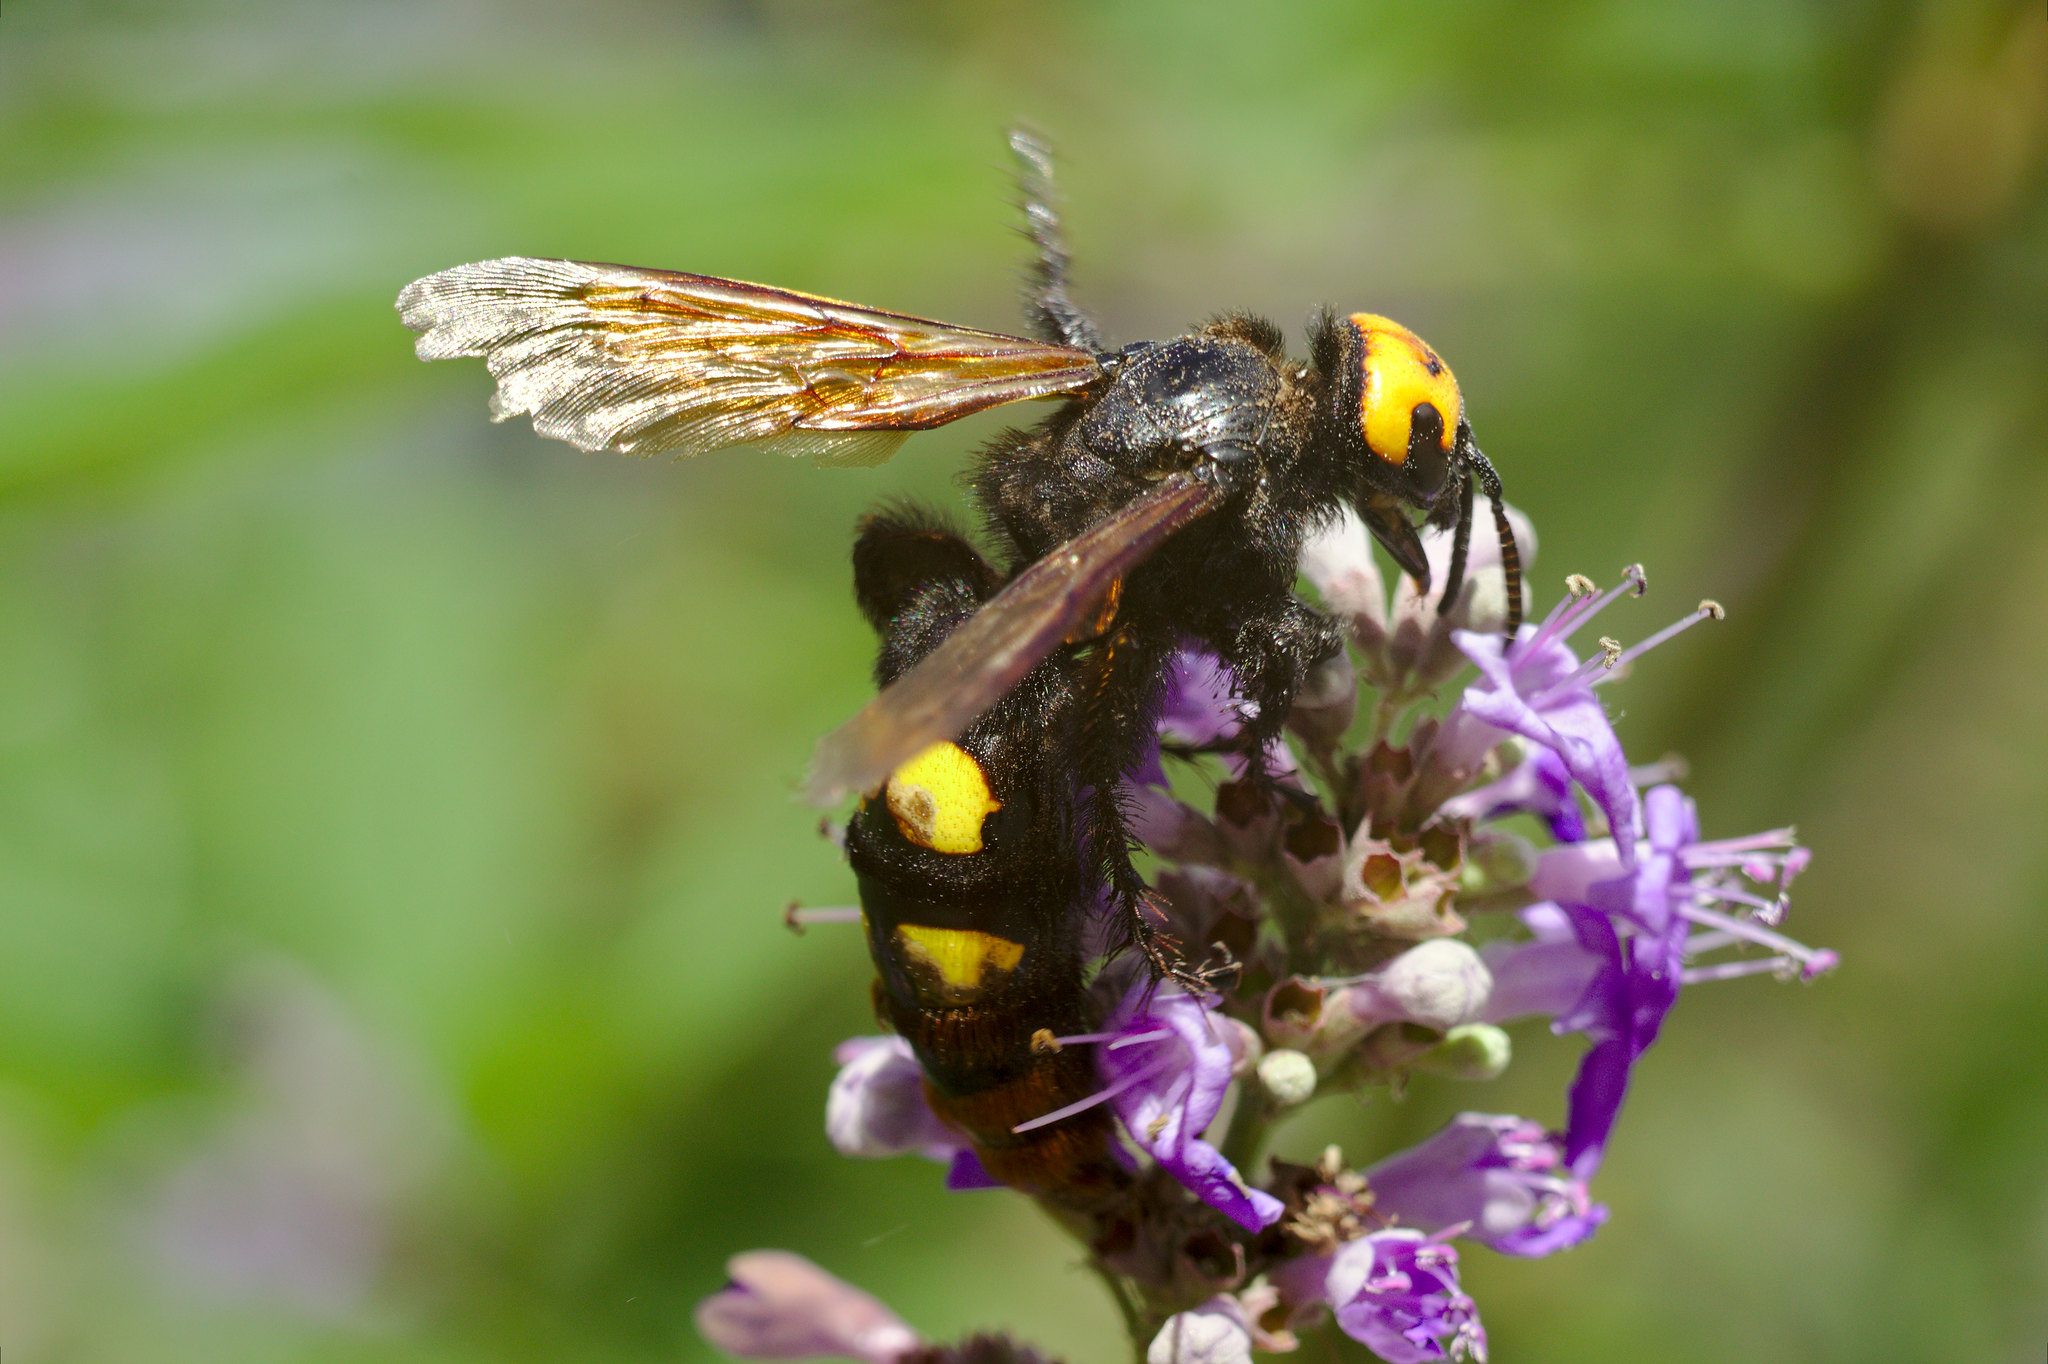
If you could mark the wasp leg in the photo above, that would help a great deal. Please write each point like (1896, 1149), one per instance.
(1272, 655)
(1122, 683)
(1054, 314)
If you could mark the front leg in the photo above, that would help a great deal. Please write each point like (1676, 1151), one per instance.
(1271, 653)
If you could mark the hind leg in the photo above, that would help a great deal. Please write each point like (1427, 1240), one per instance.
(1122, 683)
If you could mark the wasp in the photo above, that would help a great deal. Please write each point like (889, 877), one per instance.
(1162, 503)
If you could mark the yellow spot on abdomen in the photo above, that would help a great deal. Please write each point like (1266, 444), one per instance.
(962, 957)
(939, 799)
(1400, 371)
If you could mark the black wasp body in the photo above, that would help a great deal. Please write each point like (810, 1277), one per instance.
(1163, 504)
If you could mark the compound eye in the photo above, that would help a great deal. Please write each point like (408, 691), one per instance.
(1428, 464)
(1400, 377)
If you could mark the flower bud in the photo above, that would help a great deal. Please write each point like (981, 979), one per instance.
(1470, 1051)
(1289, 1077)
(1438, 984)
(778, 1305)
(1497, 861)
(1214, 1333)
(1337, 561)
(1327, 701)
(1245, 1045)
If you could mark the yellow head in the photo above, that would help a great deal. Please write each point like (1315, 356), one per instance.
(1408, 403)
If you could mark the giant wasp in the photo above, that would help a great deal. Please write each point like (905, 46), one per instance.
(1163, 503)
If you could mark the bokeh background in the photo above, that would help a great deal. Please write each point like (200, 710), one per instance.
(395, 809)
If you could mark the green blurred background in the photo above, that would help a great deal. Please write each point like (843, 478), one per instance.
(395, 808)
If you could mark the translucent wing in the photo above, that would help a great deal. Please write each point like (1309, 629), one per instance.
(1000, 643)
(614, 357)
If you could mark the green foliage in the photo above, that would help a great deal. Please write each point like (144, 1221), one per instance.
(404, 804)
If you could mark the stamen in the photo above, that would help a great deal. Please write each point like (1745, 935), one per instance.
(1099, 1096)
(1770, 912)
(1585, 674)
(1732, 970)
(795, 916)
(1133, 1039)
(1570, 614)
(1670, 767)
(1708, 610)
(1723, 852)
(1733, 895)
(1814, 960)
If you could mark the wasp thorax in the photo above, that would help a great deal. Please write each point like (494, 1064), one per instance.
(1409, 407)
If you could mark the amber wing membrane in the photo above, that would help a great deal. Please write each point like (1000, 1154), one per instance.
(1001, 642)
(620, 358)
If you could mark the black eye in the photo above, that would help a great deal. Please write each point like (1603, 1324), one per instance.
(1427, 466)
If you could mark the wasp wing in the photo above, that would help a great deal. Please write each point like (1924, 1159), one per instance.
(993, 650)
(614, 357)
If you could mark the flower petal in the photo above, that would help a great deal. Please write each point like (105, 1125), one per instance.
(778, 1305)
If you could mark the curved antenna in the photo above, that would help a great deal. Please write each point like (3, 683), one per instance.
(1055, 315)
(1510, 553)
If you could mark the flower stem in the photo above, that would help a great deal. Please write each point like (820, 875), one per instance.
(1134, 1320)
(1248, 1128)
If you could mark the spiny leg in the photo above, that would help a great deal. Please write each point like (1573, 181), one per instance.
(1054, 314)
(1119, 710)
(1271, 655)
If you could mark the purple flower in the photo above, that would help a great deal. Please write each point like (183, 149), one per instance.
(1503, 1179)
(1624, 1008)
(778, 1305)
(1166, 1066)
(1395, 1292)
(1201, 704)
(1201, 709)
(1541, 976)
(1539, 785)
(877, 1107)
(1538, 689)
(1632, 925)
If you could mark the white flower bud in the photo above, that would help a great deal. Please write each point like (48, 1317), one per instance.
(1438, 984)
(1214, 1333)
(1289, 1076)
(1337, 560)
(1470, 1051)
